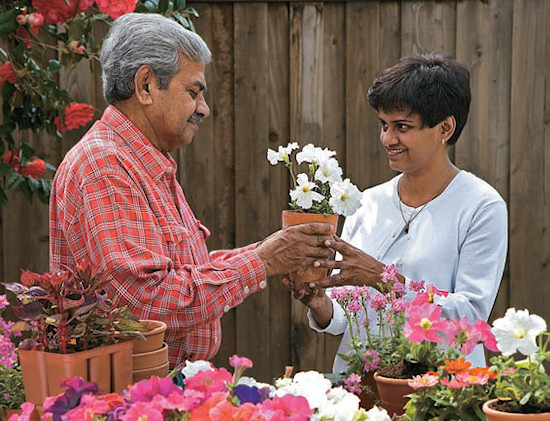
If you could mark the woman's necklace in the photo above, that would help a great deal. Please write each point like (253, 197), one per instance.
(414, 215)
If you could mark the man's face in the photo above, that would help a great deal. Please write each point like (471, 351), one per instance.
(178, 110)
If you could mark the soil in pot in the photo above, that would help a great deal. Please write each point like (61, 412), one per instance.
(403, 370)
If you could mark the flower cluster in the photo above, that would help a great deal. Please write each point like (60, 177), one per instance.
(455, 392)
(321, 189)
(403, 333)
(67, 310)
(31, 96)
(210, 393)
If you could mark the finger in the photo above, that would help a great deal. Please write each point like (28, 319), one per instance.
(316, 228)
(330, 281)
(329, 264)
(286, 283)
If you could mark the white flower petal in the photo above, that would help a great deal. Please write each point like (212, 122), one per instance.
(517, 331)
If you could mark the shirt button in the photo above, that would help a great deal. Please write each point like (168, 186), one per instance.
(215, 338)
(226, 308)
(263, 284)
(246, 290)
(168, 170)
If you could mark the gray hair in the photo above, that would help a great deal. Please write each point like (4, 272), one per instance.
(138, 39)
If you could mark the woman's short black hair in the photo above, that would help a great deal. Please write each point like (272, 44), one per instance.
(430, 85)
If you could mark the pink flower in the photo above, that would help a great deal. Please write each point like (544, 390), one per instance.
(424, 323)
(57, 11)
(116, 8)
(353, 383)
(426, 380)
(454, 383)
(371, 359)
(143, 411)
(378, 301)
(146, 390)
(416, 286)
(239, 363)
(462, 333)
(76, 47)
(288, 407)
(487, 337)
(389, 273)
(7, 74)
(209, 382)
(202, 413)
(22, 19)
(75, 115)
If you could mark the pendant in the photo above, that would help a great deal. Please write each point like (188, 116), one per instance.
(407, 227)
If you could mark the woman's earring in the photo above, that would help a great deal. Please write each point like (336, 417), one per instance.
(443, 141)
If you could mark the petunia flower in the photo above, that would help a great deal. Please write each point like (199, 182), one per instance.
(345, 197)
(518, 331)
(282, 154)
(424, 323)
(314, 154)
(116, 8)
(304, 193)
(329, 171)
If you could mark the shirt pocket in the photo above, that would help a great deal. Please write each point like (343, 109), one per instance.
(184, 246)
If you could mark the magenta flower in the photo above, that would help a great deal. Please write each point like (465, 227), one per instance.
(460, 332)
(287, 407)
(143, 411)
(371, 359)
(425, 323)
(487, 336)
(240, 364)
(389, 273)
(146, 390)
(378, 301)
(416, 286)
(209, 382)
(353, 383)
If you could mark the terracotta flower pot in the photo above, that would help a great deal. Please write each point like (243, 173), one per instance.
(154, 338)
(151, 358)
(393, 393)
(160, 371)
(109, 366)
(494, 415)
(35, 416)
(289, 219)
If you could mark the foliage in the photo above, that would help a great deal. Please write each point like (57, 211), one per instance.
(208, 393)
(11, 381)
(39, 38)
(523, 385)
(320, 189)
(68, 311)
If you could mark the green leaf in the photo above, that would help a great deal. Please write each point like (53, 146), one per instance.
(54, 65)
(8, 22)
(163, 6)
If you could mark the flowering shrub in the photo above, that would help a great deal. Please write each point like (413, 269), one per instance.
(320, 189)
(209, 393)
(407, 337)
(31, 96)
(11, 380)
(68, 311)
(522, 385)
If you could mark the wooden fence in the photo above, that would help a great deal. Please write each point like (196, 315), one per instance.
(300, 71)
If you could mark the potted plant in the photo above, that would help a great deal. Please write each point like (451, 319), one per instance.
(522, 386)
(75, 330)
(407, 338)
(317, 195)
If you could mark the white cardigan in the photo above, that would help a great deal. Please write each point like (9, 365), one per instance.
(458, 243)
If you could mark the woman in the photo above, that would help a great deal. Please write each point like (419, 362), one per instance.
(435, 222)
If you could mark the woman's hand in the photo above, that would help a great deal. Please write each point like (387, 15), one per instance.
(313, 297)
(356, 267)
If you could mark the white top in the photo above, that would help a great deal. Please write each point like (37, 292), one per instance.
(457, 243)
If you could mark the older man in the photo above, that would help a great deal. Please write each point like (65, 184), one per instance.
(116, 201)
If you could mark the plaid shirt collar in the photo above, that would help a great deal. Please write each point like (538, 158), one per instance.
(154, 161)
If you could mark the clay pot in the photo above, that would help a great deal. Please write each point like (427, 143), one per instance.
(289, 219)
(109, 366)
(393, 393)
(151, 358)
(154, 338)
(369, 399)
(144, 373)
(35, 416)
(494, 415)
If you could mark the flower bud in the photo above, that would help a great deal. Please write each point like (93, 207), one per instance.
(22, 19)
(36, 19)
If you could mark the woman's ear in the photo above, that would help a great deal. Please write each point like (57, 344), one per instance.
(448, 126)
(143, 84)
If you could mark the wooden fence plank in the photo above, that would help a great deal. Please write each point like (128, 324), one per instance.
(484, 40)
(528, 269)
(279, 132)
(251, 171)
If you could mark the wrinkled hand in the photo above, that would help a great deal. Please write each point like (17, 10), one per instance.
(356, 266)
(295, 248)
(312, 297)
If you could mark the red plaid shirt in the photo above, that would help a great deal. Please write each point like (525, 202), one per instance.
(116, 201)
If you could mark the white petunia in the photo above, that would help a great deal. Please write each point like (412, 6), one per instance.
(377, 414)
(313, 154)
(311, 385)
(249, 381)
(341, 405)
(282, 154)
(304, 193)
(345, 197)
(192, 368)
(517, 331)
(329, 171)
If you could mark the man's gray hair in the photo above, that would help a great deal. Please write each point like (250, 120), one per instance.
(138, 39)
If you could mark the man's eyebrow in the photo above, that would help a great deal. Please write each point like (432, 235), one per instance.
(201, 86)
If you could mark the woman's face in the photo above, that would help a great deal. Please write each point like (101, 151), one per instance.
(411, 147)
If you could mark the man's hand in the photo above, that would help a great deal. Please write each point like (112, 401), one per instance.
(295, 248)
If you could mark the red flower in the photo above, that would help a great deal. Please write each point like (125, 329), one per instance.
(33, 169)
(116, 8)
(12, 159)
(76, 115)
(57, 11)
(7, 74)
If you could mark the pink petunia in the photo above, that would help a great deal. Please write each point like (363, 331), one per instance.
(487, 336)
(143, 411)
(295, 408)
(146, 390)
(424, 323)
(461, 332)
(426, 380)
(209, 382)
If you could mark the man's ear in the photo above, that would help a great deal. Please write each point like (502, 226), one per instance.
(144, 81)
(448, 126)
